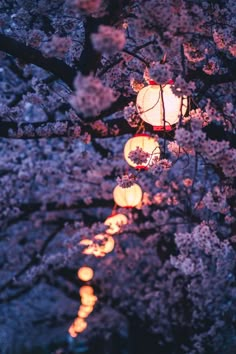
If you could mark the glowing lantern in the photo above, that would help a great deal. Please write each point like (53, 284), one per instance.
(147, 144)
(85, 290)
(85, 273)
(127, 197)
(72, 331)
(82, 313)
(79, 325)
(88, 300)
(115, 222)
(150, 107)
(85, 311)
(89, 244)
(98, 251)
(108, 242)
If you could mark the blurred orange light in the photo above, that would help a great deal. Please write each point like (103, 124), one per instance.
(72, 331)
(88, 300)
(128, 197)
(115, 222)
(85, 273)
(108, 242)
(86, 290)
(79, 324)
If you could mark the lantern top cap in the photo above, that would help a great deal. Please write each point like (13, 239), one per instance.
(142, 134)
(152, 82)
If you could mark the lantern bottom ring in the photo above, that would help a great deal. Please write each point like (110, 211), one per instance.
(162, 128)
(141, 167)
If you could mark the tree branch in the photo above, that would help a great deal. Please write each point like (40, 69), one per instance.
(31, 55)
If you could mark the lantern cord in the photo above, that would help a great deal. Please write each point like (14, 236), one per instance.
(152, 153)
(164, 117)
(181, 113)
(149, 109)
(193, 101)
(141, 128)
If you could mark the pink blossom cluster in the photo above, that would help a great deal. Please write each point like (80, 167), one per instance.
(57, 46)
(35, 38)
(131, 115)
(90, 7)
(139, 156)
(182, 88)
(222, 37)
(160, 166)
(160, 73)
(108, 40)
(194, 52)
(91, 96)
(126, 181)
(216, 201)
(216, 152)
(136, 84)
(212, 66)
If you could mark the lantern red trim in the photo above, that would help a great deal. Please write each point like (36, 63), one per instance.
(162, 128)
(143, 134)
(141, 168)
(152, 82)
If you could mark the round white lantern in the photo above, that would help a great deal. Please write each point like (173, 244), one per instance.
(79, 325)
(108, 243)
(147, 144)
(128, 197)
(149, 106)
(115, 222)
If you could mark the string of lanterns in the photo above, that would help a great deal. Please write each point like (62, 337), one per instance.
(104, 244)
(88, 300)
(159, 106)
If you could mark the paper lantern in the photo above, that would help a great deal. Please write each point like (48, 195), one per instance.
(98, 251)
(89, 243)
(85, 311)
(149, 105)
(108, 243)
(72, 331)
(85, 273)
(128, 197)
(115, 222)
(85, 290)
(88, 300)
(79, 325)
(147, 144)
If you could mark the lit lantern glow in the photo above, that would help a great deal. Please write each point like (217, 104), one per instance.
(85, 310)
(85, 290)
(79, 325)
(98, 251)
(85, 273)
(150, 108)
(72, 331)
(148, 144)
(128, 197)
(108, 243)
(89, 244)
(115, 222)
(83, 313)
(89, 300)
